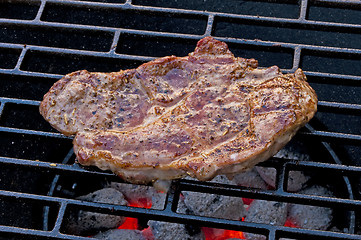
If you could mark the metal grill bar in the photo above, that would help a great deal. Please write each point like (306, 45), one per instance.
(189, 185)
(168, 214)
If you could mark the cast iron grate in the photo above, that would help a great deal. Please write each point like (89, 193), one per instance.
(42, 40)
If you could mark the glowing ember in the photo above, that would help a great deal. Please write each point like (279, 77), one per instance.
(132, 223)
(247, 201)
(141, 203)
(129, 223)
(147, 233)
(221, 234)
(288, 223)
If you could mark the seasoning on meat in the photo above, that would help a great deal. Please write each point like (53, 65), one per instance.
(201, 115)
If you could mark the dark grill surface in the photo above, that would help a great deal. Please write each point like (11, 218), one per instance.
(42, 40)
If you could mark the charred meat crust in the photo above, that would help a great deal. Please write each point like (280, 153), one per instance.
(204, 114)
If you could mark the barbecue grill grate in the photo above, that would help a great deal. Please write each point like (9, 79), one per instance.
(42, 40)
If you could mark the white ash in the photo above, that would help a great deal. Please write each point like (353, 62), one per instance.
(250, 179)
(158, 200)
(268, 212)
(288, 153)
(174, 231)
(311, 217)
(296, 179)
(213, 205)
(223, 179)
(120, 234)
(84, 222)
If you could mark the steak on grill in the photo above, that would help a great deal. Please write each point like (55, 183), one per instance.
(201, 115)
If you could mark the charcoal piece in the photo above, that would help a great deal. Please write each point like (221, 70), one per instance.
(136, 193)
(213, 205)
(250, 179)
(85, 222)
(268, 212)
(311, 217)
(133, 191)
(158, 200)
(296, 179)
(120, 234)
(174, 231)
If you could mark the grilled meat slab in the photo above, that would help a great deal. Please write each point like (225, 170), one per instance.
(201, 115)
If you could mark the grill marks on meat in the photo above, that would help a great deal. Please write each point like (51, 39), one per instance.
(205, 114)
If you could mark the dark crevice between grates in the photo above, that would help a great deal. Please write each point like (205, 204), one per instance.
(130, 19)
(331, 62)
(154, 46)
(56, 37)
(24, 117)
(284, 9)
(26, 180)
(106, 1)
(19, 9)
(8, 57)
(286, 32)
(266, 56)
(29, 212)
(24, 87)
(336, 92)
(59, 63)
(338, 82)
(33, 147)
(347, 123)
(336, 12)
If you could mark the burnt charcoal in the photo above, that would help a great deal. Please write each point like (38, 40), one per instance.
(268, 212)
(213, 205)
(120, 234)
(311, 217)
(174, 231)
(85, 222)
(250, 179)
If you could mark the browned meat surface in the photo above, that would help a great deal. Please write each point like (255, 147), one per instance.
(204, 114)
